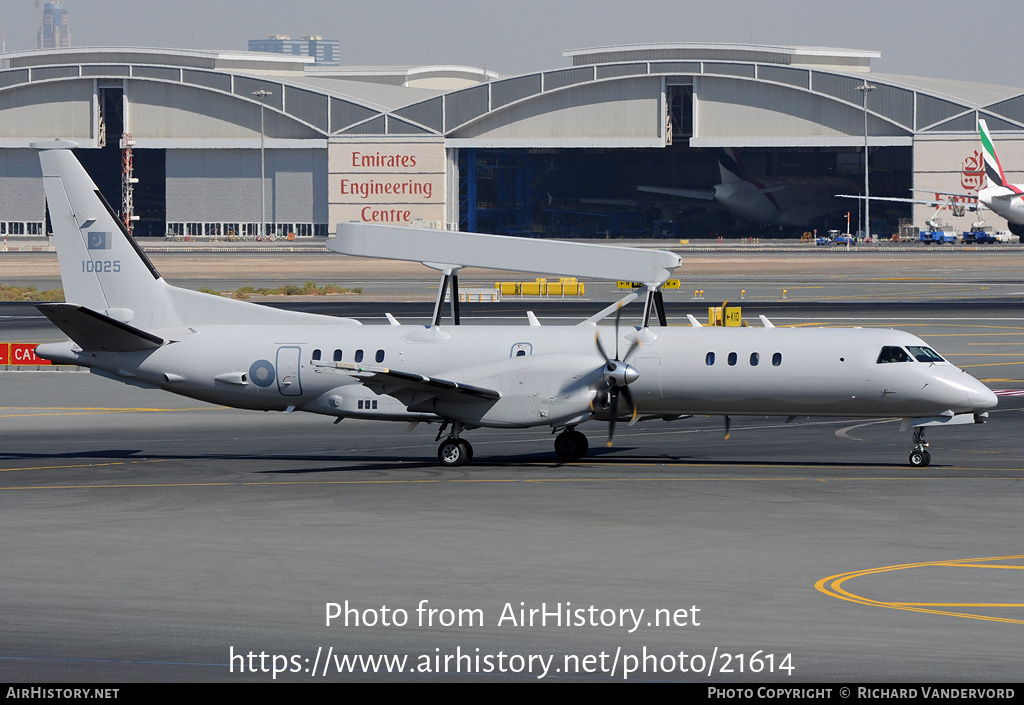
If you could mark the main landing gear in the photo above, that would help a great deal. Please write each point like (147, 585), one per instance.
(920, 457)
(570, 444)
(454, 451)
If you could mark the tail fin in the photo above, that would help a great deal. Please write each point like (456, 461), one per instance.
(730, 167)
(101, 265)
(105, 271)
(993, 169)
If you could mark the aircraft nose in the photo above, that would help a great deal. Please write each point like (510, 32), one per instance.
(959, 390)
(981, 397)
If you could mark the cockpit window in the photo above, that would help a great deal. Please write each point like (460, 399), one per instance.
(923, 354)
(892, 353)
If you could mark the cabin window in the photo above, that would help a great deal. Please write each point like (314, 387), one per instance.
(892, 353)
(359, 355)
(379, 357)
(923, 354)
(316, 354)
(709, 359)
(776, 359)
(754, 359)
(337, 355)
(732, 359)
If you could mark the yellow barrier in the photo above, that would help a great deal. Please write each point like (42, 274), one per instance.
(564, 286)
(731, 316)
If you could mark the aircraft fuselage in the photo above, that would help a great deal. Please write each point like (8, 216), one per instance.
(544, 375)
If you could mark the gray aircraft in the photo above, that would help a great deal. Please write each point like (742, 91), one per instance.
(126, 323)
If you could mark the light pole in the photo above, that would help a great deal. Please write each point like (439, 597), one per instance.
(262, 94)
(864, 90)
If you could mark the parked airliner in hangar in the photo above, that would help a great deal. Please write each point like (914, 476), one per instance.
(126, 323)
(784, 202)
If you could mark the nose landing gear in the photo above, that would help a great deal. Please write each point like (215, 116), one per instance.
(920, 457)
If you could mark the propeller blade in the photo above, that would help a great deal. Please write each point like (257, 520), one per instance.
(618, 315)
(614, 393)
(632, 405)
(637, 342)
(600, 348)
(728, 422)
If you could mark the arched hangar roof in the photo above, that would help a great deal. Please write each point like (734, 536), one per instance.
(740, 95)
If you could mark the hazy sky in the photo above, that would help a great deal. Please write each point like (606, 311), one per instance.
(938, 38)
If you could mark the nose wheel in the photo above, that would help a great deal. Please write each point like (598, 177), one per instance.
(920, 457)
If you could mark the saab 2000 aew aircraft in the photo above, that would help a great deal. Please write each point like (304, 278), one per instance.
(126, 323)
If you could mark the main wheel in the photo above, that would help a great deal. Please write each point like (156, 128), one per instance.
(920, 458)
(565, 446)
(454, 452)
(570, 445)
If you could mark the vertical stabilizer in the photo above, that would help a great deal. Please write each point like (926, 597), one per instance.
(730, 167)
(104, 270)
(101, 266)
(993, 169)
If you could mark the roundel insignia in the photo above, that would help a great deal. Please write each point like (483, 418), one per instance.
(262, 373)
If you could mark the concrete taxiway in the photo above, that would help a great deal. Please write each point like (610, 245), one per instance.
(153, 538)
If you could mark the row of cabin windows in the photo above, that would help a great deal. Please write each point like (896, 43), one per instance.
(733, 358)
(379, 356)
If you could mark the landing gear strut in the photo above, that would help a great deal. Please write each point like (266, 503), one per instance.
(570, 444)
(454, 451)
(920, 457)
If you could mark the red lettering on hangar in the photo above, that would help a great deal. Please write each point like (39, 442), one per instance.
(378, 160)
(369, 214)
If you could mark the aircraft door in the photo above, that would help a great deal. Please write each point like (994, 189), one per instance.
(288, 383)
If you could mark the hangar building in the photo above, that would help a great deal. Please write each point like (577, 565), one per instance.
(604, 146)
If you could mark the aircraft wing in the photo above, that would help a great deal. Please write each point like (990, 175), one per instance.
(94, 331)
(679, 192)
(934, 202)
(384, 380)
(448, 249)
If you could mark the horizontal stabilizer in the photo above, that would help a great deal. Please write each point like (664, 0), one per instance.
(442, 249)
(94, 331)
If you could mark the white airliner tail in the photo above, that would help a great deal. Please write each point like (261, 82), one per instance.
(993, 169)
(730, 167)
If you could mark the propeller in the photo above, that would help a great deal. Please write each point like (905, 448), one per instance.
(618, 375)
